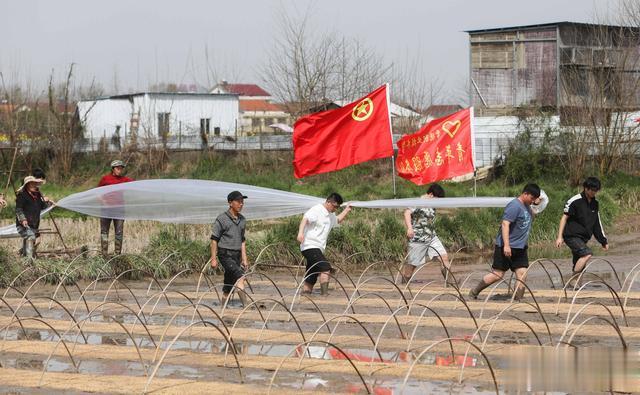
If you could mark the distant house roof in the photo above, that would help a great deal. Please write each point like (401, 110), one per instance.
(319, 106)
(129, 96)
(441, 110)
(243, 89)
(259, 105)
(403, 112)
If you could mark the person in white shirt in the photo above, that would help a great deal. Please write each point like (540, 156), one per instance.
(313, 233)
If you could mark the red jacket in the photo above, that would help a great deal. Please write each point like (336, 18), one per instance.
(110, 179)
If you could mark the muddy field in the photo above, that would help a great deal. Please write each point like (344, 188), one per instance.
(370, 335)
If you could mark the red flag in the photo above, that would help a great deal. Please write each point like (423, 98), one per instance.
(332, 140)
(442, 149)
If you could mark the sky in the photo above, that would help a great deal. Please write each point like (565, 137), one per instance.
(129, 45)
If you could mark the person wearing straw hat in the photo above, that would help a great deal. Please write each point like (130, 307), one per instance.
(29, 203)
(115, 177)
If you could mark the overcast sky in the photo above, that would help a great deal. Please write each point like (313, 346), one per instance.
(136, 43)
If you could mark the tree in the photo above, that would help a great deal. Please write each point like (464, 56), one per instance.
(64, 127)
(306, 68)
(599, 81)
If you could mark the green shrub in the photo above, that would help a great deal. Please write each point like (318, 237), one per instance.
(527, 158)
(9, 267)
(171, 251)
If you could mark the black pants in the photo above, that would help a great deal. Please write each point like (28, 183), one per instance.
(518, 259)
(578, 247)
(316, 264)
(230, 261)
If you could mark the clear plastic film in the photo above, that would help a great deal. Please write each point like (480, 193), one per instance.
(457, 202)
(200, 201)
(10, 230)
(184, 201)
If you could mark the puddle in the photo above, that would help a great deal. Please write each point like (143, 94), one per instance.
(288, 379)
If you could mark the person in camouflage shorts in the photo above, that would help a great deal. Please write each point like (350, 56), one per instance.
(423, 241)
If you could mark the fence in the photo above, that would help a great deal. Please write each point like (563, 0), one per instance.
(488, 148)
(492, 135)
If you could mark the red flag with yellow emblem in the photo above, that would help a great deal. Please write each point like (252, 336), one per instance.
(442, 149)
(332, 140)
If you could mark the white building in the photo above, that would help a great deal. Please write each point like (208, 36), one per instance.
(159, 116)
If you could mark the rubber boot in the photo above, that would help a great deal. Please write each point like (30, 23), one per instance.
(104, 246)
(519, 292)
(473, 293)
(29, 248)
(118, 246)
(324, 289)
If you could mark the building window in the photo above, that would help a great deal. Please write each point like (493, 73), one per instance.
(204, 125)
(216, 131)
(163, 123)
(255, 122)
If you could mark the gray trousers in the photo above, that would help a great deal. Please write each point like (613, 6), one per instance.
(29, 236)
(118, 227)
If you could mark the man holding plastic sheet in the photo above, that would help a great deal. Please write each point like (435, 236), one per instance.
(580, 221)
(228, 246)
(115, 198)
(423, 240)
(511, 245)
(313, 233)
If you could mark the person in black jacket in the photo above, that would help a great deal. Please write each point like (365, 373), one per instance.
(580, 221)
(29, 203)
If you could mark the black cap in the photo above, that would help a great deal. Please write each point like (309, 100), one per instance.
(235, 195)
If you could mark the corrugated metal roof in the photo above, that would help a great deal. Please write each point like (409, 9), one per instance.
(539, 26)
(130, 95)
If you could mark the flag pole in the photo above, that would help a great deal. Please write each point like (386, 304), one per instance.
(475, 181)
(393, 174)
(473, 151)
(393, 156)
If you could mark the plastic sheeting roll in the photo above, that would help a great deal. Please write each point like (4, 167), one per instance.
(200, 202)
(184, 201)
(460, 202)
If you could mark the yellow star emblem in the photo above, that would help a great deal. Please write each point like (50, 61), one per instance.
(363, 110)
